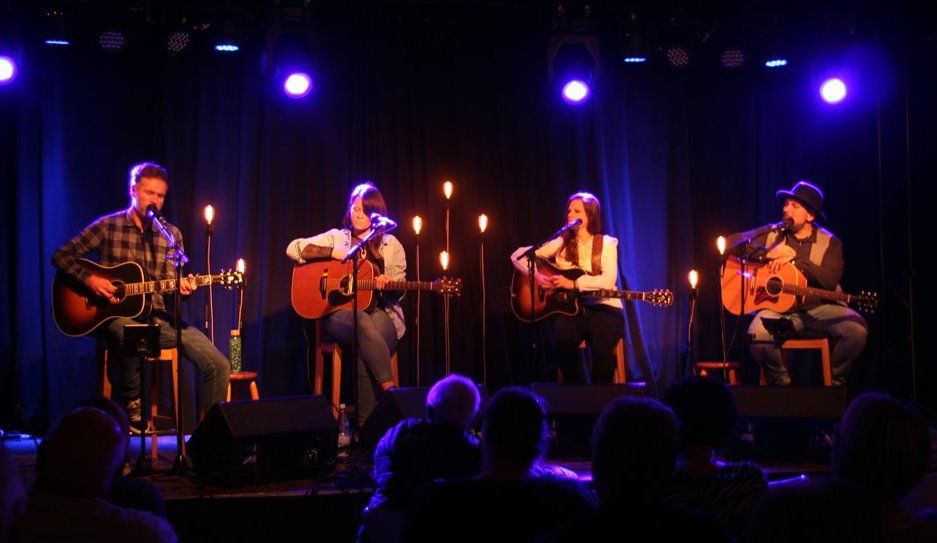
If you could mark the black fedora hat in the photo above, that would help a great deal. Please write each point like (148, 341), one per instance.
(808, 194)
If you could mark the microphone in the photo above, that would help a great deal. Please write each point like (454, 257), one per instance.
(379, 221)
(784, 227)
(153, 213)
(569, 226)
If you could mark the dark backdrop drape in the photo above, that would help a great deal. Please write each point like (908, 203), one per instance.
(406, 101)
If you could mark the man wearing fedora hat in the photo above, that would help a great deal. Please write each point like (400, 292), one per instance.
(818, 254)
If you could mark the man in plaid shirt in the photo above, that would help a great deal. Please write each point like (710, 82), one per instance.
(128, 235)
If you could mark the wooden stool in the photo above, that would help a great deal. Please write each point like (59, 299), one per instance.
(620, 375)
(244, 376)
(807, 343)
(325, 344)
(165, 355)
(730, 368)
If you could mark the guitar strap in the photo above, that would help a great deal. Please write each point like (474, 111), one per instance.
(598, 241)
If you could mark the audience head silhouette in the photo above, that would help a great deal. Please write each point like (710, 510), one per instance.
(453, 400)
(881, 445)
(634, 449)
(80, 455)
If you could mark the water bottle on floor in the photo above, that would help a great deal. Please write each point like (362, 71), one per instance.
(344, 428)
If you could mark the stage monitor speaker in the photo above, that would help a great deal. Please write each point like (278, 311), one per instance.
(264, 440)
(398, 404)
(572, 411)
(818, 402)
(785, 424)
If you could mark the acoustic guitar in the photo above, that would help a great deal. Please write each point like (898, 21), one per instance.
(323, 287)
(550, 301)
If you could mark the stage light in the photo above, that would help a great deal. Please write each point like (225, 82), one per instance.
(575, 92)
(634, 45)
(733, 59)
(297, 84)
(112, 40)
(775, 63)
(677, 56)
(833, 90)
(227, 48)
(178, 41)
(634, 60)
(7, 70)
(57, 42)
(574, 66)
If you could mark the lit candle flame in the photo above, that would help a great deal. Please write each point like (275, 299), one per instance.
(444, 260)
(693, 276)
(482, 223)
(417, 224)
(241, 266)
(209, 214)
(721, 244)
(447, 189)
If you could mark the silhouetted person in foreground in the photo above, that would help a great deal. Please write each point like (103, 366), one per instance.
(507, 501)
(726, 491)
(418, 451)
(75, 468)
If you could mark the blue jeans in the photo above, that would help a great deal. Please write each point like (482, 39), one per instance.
(196, 347)
(377, 337)
(846, 328)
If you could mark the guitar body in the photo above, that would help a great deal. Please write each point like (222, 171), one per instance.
(78, 312)
(323, 287)
(547, 301)
(763, 289)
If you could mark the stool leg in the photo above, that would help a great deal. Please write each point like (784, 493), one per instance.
(337, 376)
(255, 393)
(825, 356)
(154, 407)
(317, 388)
(395, 369)
(228, 396)
(620, 372)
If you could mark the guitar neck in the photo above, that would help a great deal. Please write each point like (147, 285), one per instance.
(370, 284)
(162, 285)
(822, 294)
(612, 293)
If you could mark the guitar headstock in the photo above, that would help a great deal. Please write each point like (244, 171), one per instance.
(659, 297)
(448, 285)
(229, 279)
(866, 301)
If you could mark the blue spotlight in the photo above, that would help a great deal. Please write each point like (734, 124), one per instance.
(227, 48)
(634, 60)
(833, 90)
(776, 63)
(57, 43)
(575, 92)
(7, 70)
(297, 85)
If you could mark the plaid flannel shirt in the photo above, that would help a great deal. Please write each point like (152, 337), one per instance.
(116, 239)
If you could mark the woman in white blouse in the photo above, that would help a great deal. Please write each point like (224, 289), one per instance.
(601, 322)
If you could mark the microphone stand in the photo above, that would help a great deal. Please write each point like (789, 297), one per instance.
(176, 255)
(531, 254)
(210, 307)
(352, 255)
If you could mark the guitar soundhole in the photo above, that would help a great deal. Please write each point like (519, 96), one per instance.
(345, 286)
(774, 285)
(120, 293)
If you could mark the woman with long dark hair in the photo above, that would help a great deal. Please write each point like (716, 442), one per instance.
(381, 327)
(601, 322)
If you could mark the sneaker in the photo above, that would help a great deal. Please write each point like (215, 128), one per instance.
(134, 415)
